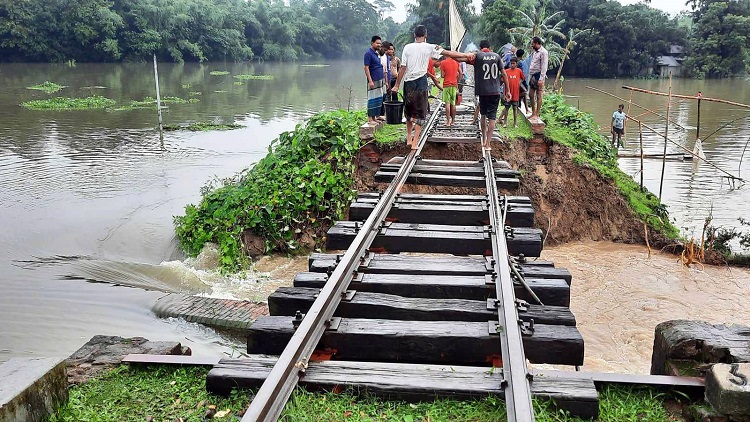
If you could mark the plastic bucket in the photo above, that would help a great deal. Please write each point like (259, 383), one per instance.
(394, 111)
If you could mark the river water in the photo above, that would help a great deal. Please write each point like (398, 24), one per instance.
(88, 197)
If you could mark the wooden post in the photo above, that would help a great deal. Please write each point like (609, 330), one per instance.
(640, 138)
(158, 100)
(666, 132)
(698, 129)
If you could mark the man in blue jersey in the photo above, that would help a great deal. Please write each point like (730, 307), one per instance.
(489, 77)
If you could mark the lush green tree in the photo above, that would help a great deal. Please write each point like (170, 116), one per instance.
(720, 39)
(544, 23)
(498, 17)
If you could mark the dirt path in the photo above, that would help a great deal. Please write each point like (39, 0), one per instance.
(619, 294)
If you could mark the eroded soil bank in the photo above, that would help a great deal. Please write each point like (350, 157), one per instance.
(571, 202)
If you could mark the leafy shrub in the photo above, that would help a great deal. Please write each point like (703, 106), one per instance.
(300, 187)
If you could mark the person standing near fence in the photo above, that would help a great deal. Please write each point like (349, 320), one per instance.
(618, 126)
(375, 79)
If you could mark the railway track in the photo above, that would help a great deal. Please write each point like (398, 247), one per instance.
(460, 318)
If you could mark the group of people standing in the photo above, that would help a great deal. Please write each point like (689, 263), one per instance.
(497, 80)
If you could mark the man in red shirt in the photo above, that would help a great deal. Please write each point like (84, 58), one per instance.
(513, 85)
(451, 72)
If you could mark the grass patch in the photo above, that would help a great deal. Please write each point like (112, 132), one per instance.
(202, 126)
(218, 72)
(287, 199)
(194, 93)
(239, 83)
(166, 393)
(47, 86)
(64, 103)
(221, 91)
(255, 77)
(523, 131)
(569, 126)
(390, 134)
(135, 393)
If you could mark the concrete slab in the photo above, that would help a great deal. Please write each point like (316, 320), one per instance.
(32, 389)
(728, 388)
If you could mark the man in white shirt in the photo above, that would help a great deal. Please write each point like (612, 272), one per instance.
(413, 71)
(538, 74)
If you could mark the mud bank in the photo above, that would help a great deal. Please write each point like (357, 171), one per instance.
(572, 202)
(619, 295)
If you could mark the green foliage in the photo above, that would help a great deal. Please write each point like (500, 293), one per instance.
(254, 77)
(523, 131)
(64, 103)
(218, 72)
(720, 239)
(495, 21)
(47, 86)
(571, 127)
(133, 393)
(300, 187)
(203, 126)
(720, 38)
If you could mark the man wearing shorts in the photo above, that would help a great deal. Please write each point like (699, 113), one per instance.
(414, 61)
(451, 72)
(512, 85)
(489, 74)
(618, 126)
(538, 71)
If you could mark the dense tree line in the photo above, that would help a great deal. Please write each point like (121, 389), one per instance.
(625, 40)
(188, 30)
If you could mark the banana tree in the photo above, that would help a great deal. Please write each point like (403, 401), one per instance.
(572, 35)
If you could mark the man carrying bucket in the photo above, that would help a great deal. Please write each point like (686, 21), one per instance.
(414, 61)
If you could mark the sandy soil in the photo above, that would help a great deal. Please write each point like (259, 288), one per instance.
(619, 295)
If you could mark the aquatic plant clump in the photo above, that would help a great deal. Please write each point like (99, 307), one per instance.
(571, 127)
(287, 200)
(203, 126)
(150, 103)
(64, 103)
(47, 86)
(218, 72)
(255, 77)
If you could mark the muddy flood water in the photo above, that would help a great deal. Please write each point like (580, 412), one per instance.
(87, 200)
(619, 295)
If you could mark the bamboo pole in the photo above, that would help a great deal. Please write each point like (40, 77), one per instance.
(698, 128)
(158, 100)
(640, 140)
(625, 123)
(729, 175)
(686, 97)
(666, 132)
(635, 104)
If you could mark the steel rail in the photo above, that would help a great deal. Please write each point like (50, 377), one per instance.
(272, 396)
(516, 376)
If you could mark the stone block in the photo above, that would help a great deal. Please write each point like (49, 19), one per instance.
(700, 342)
(32, 389)
(728, 388)
(367, 131)
(537, 125)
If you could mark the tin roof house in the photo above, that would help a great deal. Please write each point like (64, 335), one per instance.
(671, 63)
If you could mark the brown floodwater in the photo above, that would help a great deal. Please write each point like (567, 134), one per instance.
(87, 241)
(619, 295)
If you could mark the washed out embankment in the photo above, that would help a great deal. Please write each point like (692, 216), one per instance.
(287, 201)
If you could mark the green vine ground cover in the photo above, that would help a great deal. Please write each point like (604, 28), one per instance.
(569, 126)
(288, 198)
(168, 393)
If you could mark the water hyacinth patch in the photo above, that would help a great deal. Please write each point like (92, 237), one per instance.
(255, 77)
(47, 86)
(203, 126)
(64, 103)
(218, 72)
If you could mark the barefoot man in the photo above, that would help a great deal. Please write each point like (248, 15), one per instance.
(489, 74)
(414, 61)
